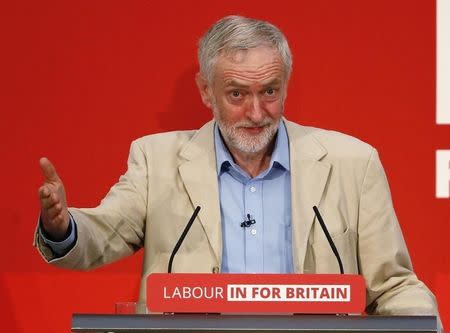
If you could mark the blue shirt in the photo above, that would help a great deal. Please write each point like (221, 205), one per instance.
(265, 246)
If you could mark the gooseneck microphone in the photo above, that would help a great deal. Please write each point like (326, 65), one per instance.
(330, 241)
(181, 239)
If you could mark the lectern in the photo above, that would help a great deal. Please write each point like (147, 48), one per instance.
(220, 303)
(216, 323)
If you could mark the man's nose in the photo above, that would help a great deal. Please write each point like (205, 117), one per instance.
(255, 110)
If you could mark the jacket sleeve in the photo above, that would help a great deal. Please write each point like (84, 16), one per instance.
(115, 228)
(392, 287)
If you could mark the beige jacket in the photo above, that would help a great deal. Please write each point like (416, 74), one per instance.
(169, 174)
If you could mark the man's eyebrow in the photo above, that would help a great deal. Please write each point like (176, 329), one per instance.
(272, 82)
(234, 83)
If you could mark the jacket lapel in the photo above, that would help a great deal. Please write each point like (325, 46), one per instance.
(199, 175)
(308, 179)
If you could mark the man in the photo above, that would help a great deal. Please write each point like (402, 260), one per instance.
(249, 164)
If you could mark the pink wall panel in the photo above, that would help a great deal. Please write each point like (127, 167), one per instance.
(80, 80)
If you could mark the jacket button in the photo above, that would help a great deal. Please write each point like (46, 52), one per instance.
(215, 269)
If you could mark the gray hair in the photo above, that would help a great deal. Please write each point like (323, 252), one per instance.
(234, 33)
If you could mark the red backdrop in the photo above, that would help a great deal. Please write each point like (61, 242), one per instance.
(81, 79)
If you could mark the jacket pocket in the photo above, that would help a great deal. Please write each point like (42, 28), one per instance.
(321, 258)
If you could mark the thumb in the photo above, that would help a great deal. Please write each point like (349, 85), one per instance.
(48, 170)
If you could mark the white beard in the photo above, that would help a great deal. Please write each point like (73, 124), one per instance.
(237, 138)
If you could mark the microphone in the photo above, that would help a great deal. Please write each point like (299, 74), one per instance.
(183, 235)
(247, 223)
(330, 241)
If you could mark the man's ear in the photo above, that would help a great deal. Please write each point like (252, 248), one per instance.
(204, 89)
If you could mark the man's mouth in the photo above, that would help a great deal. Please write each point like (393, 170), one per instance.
(254, 130)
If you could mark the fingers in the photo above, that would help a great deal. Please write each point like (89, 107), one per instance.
(48, 170)
(54, 212)
(43, 192)
(47, 196)
(48, 200)
(55, 222)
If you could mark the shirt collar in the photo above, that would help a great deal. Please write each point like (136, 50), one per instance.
(280, 155)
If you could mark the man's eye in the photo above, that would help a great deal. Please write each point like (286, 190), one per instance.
(270, 91)
(235, 94)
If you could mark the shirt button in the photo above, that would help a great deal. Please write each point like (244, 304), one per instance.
(253, 232)
(252, 189)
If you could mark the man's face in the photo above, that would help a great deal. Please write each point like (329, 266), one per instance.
(247, 97)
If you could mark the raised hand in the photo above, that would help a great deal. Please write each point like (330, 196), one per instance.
(52, 196)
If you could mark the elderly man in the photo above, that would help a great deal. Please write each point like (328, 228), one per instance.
(248, 164)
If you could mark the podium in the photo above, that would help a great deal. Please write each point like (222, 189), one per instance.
(225, 323)
(228, 303)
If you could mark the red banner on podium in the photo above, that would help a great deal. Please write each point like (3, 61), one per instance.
(258, 293)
